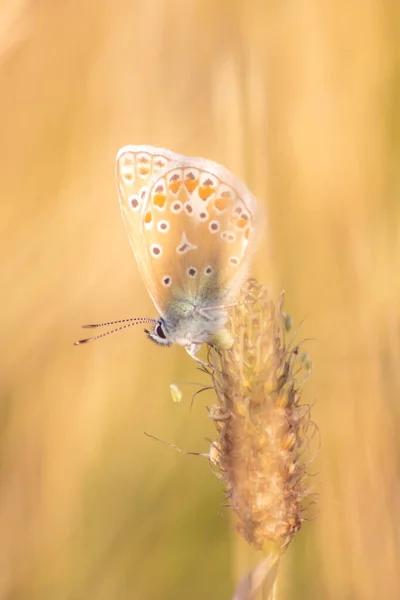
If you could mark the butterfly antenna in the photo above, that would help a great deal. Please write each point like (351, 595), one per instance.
(127, 323)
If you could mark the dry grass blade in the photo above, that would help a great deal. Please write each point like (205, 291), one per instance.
(263, 576)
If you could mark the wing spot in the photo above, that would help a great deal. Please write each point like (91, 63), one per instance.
(134, 202)
(156, 250)
(214, 226)
(127, 158)
(143, 165)
(222, 204)
(191, 182)
(175, 186)
(203, 216)
(241, 223)
(160, 162)
(227, 235)
(159, 200)
(175, 182)
(234, 260)
(206, 190)
(163, 226)
(208, 270)
(185, 246)
(144, 172)
(176, 207)
(127, 173)
(148, 220)
(166, 280)
(192, 272)
(126, 166)
(188, 208)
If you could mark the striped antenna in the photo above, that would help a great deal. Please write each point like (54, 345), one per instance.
(127, 323)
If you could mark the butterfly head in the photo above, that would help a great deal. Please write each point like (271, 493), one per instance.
(187, 322)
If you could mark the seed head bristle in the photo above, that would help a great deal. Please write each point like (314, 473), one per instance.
(262, 428)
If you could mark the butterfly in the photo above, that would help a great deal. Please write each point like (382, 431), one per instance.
(193, 227)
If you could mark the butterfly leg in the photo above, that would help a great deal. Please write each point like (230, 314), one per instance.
(192, 349)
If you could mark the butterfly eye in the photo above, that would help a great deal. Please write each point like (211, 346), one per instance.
(160, 332)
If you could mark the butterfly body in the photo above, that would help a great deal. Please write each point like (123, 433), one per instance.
(192, 227)
(191, 323)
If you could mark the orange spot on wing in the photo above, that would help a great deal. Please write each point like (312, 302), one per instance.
(191, 184)
(247, 233)
(242, 223)
(175, 185)
(205, 192)
(223, 203)
(159, 200)
(144, 170)
(148, 217)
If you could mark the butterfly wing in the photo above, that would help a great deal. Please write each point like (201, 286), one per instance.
(198, 233)
(136, 167)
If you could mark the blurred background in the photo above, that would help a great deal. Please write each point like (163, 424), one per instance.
(301, 100)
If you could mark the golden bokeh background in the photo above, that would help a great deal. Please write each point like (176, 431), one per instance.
(302, 101)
